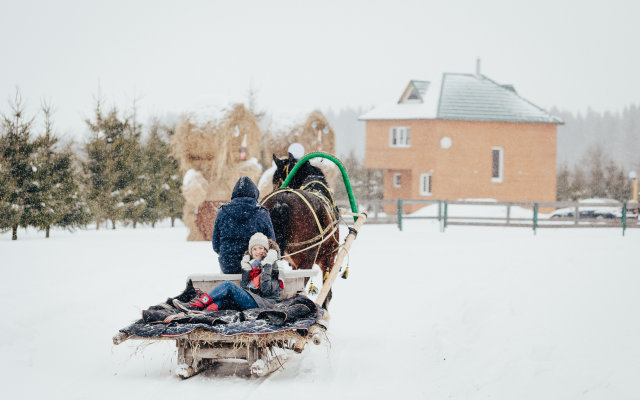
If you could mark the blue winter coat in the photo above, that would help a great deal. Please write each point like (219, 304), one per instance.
(236, 222)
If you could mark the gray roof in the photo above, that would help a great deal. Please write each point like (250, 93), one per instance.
(467, 97)
(478, 98)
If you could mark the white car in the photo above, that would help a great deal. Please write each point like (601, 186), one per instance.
(592, 209)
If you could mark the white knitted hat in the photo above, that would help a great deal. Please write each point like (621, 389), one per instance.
(258, 239)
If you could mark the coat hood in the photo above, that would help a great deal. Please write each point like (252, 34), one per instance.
(245, 188)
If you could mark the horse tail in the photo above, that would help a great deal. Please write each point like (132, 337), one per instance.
(281, 218)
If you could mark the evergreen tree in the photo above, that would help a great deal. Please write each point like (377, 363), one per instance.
(563, 189)
(132, 179)
(44, 215)
(61, 201)
(172, 196)
(596, 160)
(618, 185)
(164, 198)
(9, 211)
(110, 167)
(578, 186)
(18, 169)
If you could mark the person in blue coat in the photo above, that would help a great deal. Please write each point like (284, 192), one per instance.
(236, 222)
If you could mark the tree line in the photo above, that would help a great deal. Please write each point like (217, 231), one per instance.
(586, 142)
(119, 174)
(596, 175)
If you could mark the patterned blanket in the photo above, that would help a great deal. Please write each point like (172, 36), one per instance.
(297, 313)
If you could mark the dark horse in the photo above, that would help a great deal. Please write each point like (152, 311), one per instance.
(305, 218)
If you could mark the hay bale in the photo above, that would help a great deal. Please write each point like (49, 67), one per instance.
(214, 146)
(314, 133)
(206, 214)
(214, 151)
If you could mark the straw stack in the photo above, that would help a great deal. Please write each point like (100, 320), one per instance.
(315, 134)
(213, 151)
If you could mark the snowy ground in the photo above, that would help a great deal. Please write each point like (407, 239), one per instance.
(467, 314)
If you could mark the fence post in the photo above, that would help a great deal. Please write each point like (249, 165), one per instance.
(444, 219)
(535, 217)
(400, 214)
(624, 217)
(508, 213)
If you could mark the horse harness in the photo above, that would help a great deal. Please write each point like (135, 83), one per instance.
(322, 232)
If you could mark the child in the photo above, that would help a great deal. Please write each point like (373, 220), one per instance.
(260, 286)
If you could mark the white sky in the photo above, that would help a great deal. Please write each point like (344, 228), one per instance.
(300, 55)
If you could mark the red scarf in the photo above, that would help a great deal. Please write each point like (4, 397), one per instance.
(254, 276)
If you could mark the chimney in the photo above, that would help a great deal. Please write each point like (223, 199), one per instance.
(478, 74)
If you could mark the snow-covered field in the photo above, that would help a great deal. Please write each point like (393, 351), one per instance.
(467, 314)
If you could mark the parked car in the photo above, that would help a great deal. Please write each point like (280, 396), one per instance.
(592, 209)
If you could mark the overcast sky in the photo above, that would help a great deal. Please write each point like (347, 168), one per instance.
(299, 55)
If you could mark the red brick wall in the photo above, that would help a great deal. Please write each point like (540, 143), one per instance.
(464, 169)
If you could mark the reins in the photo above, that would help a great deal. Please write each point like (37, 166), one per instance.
(322, 233)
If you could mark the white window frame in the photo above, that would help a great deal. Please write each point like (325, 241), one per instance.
(425, 191)
(402, 136)
(500, 176)
(397, 180)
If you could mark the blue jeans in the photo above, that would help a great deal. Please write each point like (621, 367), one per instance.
(229, 295)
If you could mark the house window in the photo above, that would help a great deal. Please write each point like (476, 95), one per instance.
(413, 95)
(497, 155)
(400, 136)
(397, 182)
(425, 184)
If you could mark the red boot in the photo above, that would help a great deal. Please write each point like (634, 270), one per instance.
(198, 303)
(212, 307)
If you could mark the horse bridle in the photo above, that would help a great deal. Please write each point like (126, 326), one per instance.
(286, 173)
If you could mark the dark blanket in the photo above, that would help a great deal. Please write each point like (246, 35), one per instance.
(297, 313)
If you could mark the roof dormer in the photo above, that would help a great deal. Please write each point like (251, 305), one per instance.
(414, 93)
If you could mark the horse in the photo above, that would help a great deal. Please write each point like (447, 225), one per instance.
(304, 216)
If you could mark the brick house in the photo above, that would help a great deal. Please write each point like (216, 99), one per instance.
(465, 136)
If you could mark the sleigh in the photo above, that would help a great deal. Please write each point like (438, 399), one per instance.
(201, 349)
(263, 351)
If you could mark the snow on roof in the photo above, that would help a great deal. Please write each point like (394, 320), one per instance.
(478, 98)
(463, 97)
(426, 109)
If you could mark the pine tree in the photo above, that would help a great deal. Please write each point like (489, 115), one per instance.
(164, 198)
(111, 154)
(98, 169)
(18, 170)
(618, 185)
(578, 186)
(44, 215)
(62, 201)
(563, 191)
(596, 160)
(172, 196)
(9, 211)
(131, 180)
